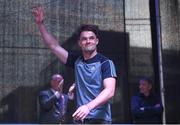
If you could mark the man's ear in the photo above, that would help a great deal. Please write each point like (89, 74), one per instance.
(97, 41)
(150, 86)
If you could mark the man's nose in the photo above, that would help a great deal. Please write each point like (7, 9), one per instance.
(88, 40)
(140, 86)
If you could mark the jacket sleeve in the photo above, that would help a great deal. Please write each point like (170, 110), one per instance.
(157, 108)
(139, 111)
(136, 108)
(46, 101)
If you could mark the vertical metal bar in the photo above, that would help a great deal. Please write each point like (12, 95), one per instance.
(157, 49)
(159, 59)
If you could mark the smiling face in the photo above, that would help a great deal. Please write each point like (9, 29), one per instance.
(145, 87)
(88, 41)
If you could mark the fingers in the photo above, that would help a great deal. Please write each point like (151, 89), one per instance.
(34, 11)
(157, 105)
(61, 82)
(81, 113)
(75, 113)
(60, 85)
(79, 116)
(37, 10)
(72, 88)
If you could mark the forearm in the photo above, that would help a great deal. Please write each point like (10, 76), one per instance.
(154, 110)
(146, 111)
(102, 98)
(52, 43)
(47, 103)
(84, 110)
(49, 40)
(136, 107)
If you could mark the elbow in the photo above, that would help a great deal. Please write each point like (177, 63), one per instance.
(52, 46)
(109, 85)
(45, 105)
(111, 93)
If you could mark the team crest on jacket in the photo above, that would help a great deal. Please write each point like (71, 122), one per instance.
(93, 68)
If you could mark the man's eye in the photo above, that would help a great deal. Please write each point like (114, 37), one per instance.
(92, 38)
(82, 39)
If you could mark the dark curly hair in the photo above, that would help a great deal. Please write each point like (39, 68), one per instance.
(89, 27)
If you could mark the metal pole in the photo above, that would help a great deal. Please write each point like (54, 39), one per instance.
(159, 59)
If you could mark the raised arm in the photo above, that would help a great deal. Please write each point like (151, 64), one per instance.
(48, 39)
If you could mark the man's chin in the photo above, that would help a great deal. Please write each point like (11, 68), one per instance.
(89, 50)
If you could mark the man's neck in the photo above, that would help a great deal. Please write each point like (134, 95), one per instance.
(147, 94)
(89, 55)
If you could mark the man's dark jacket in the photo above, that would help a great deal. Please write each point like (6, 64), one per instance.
(52, 109)
(144, 111)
